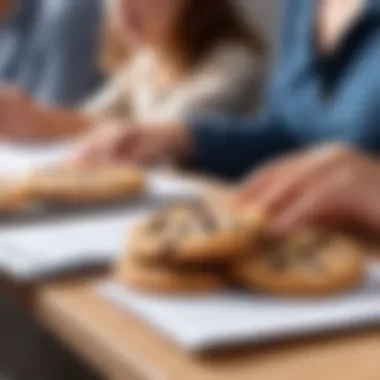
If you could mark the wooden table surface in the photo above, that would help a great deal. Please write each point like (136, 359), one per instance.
(121, 346)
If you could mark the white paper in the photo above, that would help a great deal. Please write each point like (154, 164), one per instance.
(19, 159)
(214, 320)
(31, 252)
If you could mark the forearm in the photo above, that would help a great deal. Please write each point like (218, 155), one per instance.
(231, 147)
(58, 123)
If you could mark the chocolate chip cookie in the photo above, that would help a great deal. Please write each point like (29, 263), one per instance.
(193, 233)
(169, 279)
(308, 263)
(87, 185)
(14, 195)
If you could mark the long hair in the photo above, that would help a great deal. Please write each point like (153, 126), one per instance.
(202, 26)
(207, 23)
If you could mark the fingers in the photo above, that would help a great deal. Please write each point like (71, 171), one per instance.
(110, 143)
(83, 157)
(271, 174)
(343, 199)
(272, 187)
(260, 180)
(305, 173)
(88, 150)
(328, 186)
(316, 204)
(142, 155)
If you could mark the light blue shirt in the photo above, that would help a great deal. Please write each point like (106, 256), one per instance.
(50, 48)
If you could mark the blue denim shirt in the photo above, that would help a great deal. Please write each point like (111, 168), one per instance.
(312, 99)
(50, 48)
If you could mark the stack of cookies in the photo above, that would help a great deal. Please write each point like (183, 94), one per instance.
(200, 248)
(186, 249)
(70, 185)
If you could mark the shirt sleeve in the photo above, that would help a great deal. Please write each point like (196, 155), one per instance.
(62, 65)
(231, 147)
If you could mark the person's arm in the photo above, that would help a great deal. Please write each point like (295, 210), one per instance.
(23, 119)
(57, 123)
(224, 146)
(332, 186)
(110, 102)
(231, 147)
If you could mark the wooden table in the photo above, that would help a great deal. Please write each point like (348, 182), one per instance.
(120, 346)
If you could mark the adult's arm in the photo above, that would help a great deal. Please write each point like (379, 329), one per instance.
(230, 147)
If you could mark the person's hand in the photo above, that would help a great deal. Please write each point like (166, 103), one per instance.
(331, 186)
(118, 141)
(18, 116)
